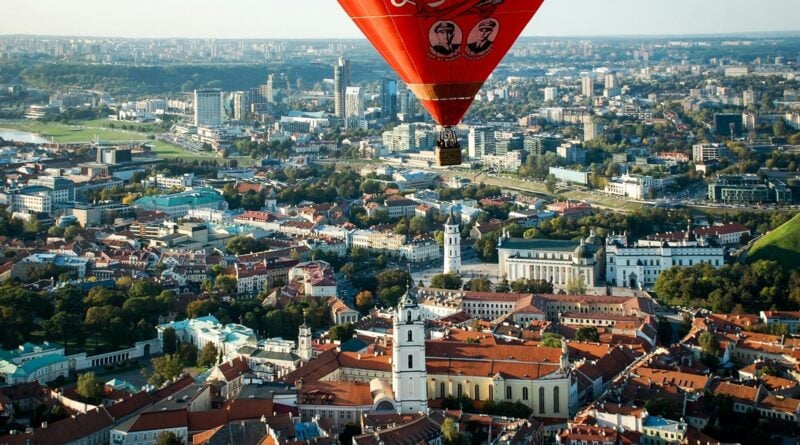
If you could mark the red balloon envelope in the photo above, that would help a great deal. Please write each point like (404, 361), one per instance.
(444, 50)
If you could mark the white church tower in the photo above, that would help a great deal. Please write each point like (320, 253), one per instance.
(409, 375)
(304, 349)
(452, 246)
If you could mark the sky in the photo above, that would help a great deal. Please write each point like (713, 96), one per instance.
(266, 19)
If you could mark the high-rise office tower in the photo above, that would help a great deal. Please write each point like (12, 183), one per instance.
(276, 84)
(341, 80)
(550, 94)
(208, 108)
(389, 99)
(354, 107)
(611, 81)
(591, 130)
(587, 85)
(241, 105)
(481, 141)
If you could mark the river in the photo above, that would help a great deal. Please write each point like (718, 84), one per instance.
(21, 136)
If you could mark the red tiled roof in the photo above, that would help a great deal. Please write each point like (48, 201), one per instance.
(64, 431)
(232, 369)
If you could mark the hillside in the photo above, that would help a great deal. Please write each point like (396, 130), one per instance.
(781, 245)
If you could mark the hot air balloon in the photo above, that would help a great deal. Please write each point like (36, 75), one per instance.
(444, 50)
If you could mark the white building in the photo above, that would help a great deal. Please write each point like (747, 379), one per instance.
(452, 246)
(208, 108)
(591, 130)
(638, 266)
(316, 278)
(555, 261)
(630, 186)
(702, 153)
(550, 94)
(481, 142)
(30, 363)
(587, 85)
(420, 250)
(22, 267)
(163, 182)
(510, 161)
(33, 200)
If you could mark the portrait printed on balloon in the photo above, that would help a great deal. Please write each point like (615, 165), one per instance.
(445, 38)
(482, 37)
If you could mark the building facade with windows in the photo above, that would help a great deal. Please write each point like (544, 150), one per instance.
(638, 266)
(555, 261)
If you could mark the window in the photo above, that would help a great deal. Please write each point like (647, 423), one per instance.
(410, 336)
(441, 390)
(477, 392)
(410, 361)
(541, 400)
(459, 390)
(408, 316)
(556, 400)
(508, 392)
(524, 393)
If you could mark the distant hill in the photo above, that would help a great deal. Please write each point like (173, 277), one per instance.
(781, 245)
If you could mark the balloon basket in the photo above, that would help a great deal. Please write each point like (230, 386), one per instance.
(448, 156)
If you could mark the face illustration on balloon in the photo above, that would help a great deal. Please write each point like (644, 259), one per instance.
(445, 38)
(482, 37)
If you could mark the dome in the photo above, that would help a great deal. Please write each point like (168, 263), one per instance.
(593, 239)
(583, 252)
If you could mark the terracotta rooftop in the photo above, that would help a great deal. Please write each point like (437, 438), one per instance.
(335, 394)
(686, 381)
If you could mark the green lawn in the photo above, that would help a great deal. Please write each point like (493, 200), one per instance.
(166, 150)
(85, 132)
(781, 245)
(79, 133)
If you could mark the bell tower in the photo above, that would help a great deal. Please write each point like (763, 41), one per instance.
(304, 350)
(452, 246)
(409, 375)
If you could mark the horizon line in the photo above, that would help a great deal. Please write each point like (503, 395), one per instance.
(760, 34)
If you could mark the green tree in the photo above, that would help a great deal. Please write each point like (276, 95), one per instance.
(551, 340)
(709, 344)
(550, 183)
(587, 333)
(576, 286)
(523, 286)
(446, 281)
(187, 353)
(168, 438)
(170, 340)
(226, 284)
(88, 387)
(365, 301)
(33, 225)
(478, 285)
(208, 356)
(71, 232)
(165, 369)
(450, 433)
(341, 332)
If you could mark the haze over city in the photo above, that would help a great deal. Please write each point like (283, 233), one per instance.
(324, 18)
